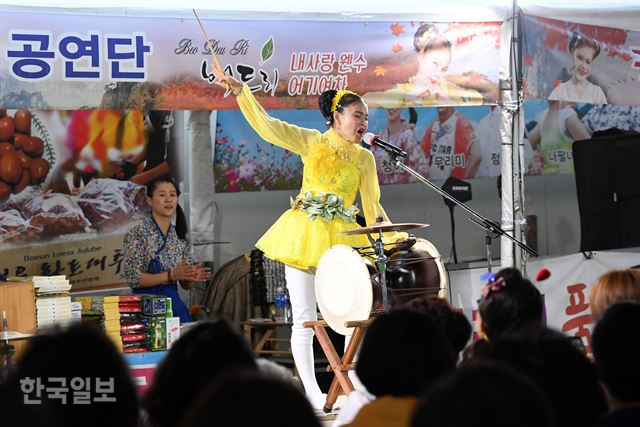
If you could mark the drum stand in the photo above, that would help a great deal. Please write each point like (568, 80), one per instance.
(492, 228)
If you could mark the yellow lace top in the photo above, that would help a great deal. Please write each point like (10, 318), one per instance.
(331, 165)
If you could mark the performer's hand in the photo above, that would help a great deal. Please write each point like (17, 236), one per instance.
(401, 245)
(225, 80)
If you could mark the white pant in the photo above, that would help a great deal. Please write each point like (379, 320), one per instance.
(303, 303)
(303, 309)
(301, 286)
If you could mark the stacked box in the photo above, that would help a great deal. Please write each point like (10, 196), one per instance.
(53, 303)
(110, 317)
(132, 329)
(85, 302)
(76, 311)
(122, 321)
(156, 332)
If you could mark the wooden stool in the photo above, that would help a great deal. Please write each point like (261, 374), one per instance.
(341, 383)
(268, 329)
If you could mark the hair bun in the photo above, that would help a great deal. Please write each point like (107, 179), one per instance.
(325, 101)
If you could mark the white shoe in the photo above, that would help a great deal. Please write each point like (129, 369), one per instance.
(317, 401)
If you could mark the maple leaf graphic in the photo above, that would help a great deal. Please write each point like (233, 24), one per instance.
(380, 71)
(397, 47)
(397, 29)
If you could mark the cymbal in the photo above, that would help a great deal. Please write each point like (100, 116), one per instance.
(384, 226)
(13, 335)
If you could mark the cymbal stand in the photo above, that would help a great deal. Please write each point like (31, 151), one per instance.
(381, 263)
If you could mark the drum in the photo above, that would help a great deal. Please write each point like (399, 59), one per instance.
(348, 286)
(414, 272)
(343, 288)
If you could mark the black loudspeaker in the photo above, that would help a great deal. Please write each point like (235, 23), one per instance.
(607, 172)
(461, 190)
(457, 188)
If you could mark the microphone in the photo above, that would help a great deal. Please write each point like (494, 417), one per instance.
(371, 139)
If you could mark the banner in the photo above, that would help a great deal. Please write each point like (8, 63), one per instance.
(440, 142)
(90, 262)
(164, 64)
(72, 184)
(566, 61)
(566, 292)
(553, 126)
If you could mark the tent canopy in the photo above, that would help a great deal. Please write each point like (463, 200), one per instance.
(612, 13)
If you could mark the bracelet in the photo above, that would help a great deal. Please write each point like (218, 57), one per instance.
(171, 278)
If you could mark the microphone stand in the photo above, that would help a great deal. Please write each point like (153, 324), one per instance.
(492, 228)
(453, 233)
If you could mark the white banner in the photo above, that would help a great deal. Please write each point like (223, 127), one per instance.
(566, 292)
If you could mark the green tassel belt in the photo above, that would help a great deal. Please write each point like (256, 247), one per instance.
(324, 205)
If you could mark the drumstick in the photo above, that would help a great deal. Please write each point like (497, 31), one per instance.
(215, 58)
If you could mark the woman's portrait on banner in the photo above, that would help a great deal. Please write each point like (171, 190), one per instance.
(433, 83)
(579, 88)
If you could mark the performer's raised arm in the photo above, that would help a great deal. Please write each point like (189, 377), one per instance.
(275, 131)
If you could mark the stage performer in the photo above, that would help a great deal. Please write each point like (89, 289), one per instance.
(156, 253)
(336, 167)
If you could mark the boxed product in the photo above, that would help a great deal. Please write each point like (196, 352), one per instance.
(169, 308)
(153, 305)
(129, 307)
(173, 330)
(157, 333)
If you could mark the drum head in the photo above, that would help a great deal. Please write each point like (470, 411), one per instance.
(414, 272)
(442, 271)
(343, 288)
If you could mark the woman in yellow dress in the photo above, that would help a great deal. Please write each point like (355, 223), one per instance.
(336, 167)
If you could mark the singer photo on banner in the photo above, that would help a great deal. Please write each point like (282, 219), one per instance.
(570, 62)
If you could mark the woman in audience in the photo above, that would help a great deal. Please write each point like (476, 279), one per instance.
(509, 304)
(614, 286)
(197, 358)
(565, 374)
(484, 395)
(401, 354)
(246, 399)
(70, 378)
(616, 348)
(451, 321)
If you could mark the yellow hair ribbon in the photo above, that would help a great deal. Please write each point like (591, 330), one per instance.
(338, 97)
